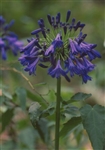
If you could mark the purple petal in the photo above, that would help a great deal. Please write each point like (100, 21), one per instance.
(85, 78)
(68, 15)
(36, 31)
(32, 67)
(88, 64)
(58, 71)
(49, 19)
(59, 15)
(3, 53)
(72, 47)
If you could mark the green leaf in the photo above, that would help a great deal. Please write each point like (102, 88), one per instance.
(2, 86)
(35, 112)
(93, 119)
(49, 111)
(7, 94)
(6, 118)
(43, 130)
(40, 124)
(78, 134)
(7, 145)
(22, 124)
(66, 93)
(27, 139)
(69, 126)
(50, 96)
(72, 110)
(36, 98)
(2, 100)
(21, 94)
(79, 97)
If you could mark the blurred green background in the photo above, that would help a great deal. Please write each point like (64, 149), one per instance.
(26, 13)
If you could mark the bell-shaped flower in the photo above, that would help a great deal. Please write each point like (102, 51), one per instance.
(57, 43)
(58, 71)
(2, 49)
(32, 64)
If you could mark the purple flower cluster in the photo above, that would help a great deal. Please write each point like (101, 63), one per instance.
(8, 39)
(61, 49)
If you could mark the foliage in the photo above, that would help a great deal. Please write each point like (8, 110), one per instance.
(94, 123)
(42, 119)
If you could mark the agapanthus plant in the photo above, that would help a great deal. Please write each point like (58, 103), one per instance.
(8, 40)
(62, 50)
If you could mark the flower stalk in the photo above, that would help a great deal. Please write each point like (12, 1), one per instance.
(57, 123)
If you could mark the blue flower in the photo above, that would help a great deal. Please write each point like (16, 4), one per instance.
(73, 48)
(2, 49)
(28, 48)
(88, 65)
(58, 71)
(85, 78)
(71, 67)
(23, 60)
(60, 49)
(2, 21)
(13, 44)
(57, 43)
(7, 26)
(68, 15)
(8, 39)
(36, 31)
(32, 64)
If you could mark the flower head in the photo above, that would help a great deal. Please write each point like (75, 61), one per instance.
(8, 39)
(62, 48)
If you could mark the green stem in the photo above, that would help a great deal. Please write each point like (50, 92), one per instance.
(57, 114)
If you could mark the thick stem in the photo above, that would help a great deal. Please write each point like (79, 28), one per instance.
(57, 124)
